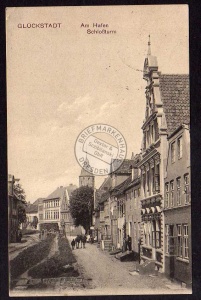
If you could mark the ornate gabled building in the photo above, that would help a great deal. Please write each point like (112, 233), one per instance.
(166, 108)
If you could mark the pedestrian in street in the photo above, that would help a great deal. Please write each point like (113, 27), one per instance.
(19, 236)
(129, 242)
(77, 240)
(73, 244)
(84, 239)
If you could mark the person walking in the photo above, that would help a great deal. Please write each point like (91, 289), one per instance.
(77, 240)
(129, 242)
(84, 239)
(73, 244)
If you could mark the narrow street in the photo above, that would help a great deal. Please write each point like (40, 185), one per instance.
(109, 276)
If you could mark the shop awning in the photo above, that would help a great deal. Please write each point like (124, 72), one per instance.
(148, 210)
(153, 209)
(143, 211)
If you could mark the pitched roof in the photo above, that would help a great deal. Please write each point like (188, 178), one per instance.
(104, 197)
(58, 193)
(31, 208)
(121, 166)
(133, 183)
(37, 201)
(119, 189)
(71, 188)
(176, 101)
(107, 183)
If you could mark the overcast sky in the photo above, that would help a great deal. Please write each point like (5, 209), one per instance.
(61, 80)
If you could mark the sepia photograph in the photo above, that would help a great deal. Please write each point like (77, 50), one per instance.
(98, 135)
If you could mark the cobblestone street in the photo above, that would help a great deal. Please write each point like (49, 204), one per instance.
(102, 274)
(110, 276)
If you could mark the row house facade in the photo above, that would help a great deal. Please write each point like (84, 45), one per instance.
(177, 207)
(167, 108)
(108, 210)
(152, 203)
(126, 208)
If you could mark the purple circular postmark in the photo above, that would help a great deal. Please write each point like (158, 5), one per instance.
(100, 149)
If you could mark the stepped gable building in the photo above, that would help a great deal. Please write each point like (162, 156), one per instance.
(167, 104)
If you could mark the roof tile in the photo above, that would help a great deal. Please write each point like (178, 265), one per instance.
(176, 101)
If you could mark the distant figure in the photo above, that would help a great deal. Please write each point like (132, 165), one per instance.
(73, 244)
(20, 236)
(129, 242)
(84, 239)
(92, 239)
(77, 241)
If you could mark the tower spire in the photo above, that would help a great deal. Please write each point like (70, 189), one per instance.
(149, 47)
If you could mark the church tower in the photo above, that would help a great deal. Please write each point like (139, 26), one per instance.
(86, 179)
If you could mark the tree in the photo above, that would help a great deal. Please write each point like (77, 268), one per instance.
(19, 193)
(82, 206)
(21, 214)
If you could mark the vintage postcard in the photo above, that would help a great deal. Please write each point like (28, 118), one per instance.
(99, 194)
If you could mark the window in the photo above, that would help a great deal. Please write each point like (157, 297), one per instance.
(179, 191)
(152, 134)
(158, 239)
(173, 152)
(167, 238)
(182, 241)
(186, 188)
(185, 230)
(156, 234)
(167, 195)
(40, 207)
(179, 147)
(153, 180)
(148, 183)
(157, 178)
(179, 241)
(144, 183)
(171, 193)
